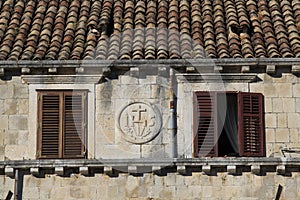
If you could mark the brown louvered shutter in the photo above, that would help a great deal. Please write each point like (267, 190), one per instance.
(250, 124)
(205, 138)
(61, 124)
(49, 125)
(74, 124)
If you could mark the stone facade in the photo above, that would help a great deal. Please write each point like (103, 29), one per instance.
(108, 139)
(151, 186)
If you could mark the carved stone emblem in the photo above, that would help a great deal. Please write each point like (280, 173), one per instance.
(139, 122)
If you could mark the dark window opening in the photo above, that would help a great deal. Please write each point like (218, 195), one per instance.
(229, 124)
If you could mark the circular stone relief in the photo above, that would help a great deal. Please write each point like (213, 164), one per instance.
(139, 122)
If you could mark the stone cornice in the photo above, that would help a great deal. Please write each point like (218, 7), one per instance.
(61, 79)
(133, 63)
(232, 165)
(217, 77)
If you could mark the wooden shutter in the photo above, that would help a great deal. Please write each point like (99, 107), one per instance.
(61, 124)
(74, 124)
(250, 124)
(49, 125)
(205, 143)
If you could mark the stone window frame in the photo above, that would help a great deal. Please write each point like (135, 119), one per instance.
(242, 97)
(62, 82)
(61, 102)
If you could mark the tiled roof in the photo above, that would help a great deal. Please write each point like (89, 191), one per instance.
(148, 29)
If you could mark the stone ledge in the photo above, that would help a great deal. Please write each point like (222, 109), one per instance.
(208, 166)
(60, 79)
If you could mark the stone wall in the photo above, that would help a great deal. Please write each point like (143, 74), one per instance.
(14, 101)
(282, 112)
(281, 95)
(151, 186)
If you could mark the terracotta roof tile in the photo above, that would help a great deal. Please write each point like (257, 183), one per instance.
(148, 29)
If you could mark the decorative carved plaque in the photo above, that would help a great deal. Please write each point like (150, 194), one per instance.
(139, 122)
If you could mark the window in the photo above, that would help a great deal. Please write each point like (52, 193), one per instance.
(229, 124)
(61, 124)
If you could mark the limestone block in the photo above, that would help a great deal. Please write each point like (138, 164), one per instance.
(257, 87)
(118, 151)
(104, 91)
(104, 107)
(81, 192)
(268, 105)
(22, 137)
(236, 87)
(16, 152)
(3, 122)
(282, 135)
(1, 137)
(153, 151)
(128, 80)
(148, 80)
(277, 105)
(284, 89)
(296, 90)
(294, 135)
(31, 193)
(18, 122)
(293, 120)
(270, 135)
(281, 120)
(11, 137)
(21, 91)
(270, 120)
(289, 105)
(10, 106)
(297, 105)
(269, 89)
(6, 91)
(23, 107)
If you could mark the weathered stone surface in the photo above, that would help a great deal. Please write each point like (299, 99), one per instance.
(6, 91)
(23, 106)
(10, 106)
(277, 105)
(289, 105)
(281, 120)
(282, 135)
(293, 120)
(21, 91)
(270, 135)
(271, 120)
(3, 122)
(18, 122)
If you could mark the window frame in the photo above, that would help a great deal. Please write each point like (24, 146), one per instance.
(62, 102)
(212, 95)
